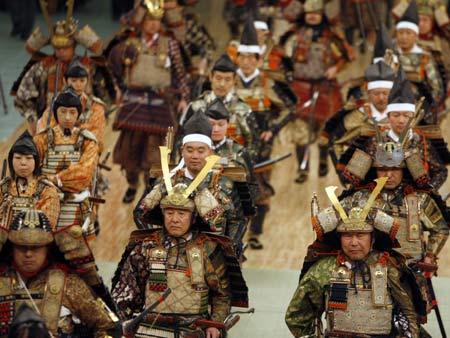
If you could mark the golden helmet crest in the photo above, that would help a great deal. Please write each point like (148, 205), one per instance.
(155, 8)
(313, 6)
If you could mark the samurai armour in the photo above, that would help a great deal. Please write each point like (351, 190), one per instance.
(366, 309)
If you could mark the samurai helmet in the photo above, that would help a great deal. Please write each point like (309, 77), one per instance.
(31, 228)
(313, 6)
(155, 8)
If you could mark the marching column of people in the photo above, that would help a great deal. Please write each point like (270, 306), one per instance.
(370, 268)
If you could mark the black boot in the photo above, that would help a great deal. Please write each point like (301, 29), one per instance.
(323, 161)
(302, 173)
(129, 196)
(256, 227)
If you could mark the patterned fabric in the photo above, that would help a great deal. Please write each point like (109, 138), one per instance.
(308, 301)
(198, 41)
(130, 290)
(77, 297)
(44, 196)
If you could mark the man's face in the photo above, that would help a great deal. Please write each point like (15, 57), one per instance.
(247, 62)
(23, 165)
(78, 83)
(262, 36)
(406, 38)
(65, 54)
(394, 176)
(67, 117)
(222, 82)
(379, 98)
(425, 24)
(150, 26)
(356, 245)
(219, 129)
(177, 221)
(29, 258)
(399, 120)
(194, 154)
(313, 18)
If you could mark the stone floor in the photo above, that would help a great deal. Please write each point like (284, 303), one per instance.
(271, 273)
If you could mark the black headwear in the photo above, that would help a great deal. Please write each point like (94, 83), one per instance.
(217, 110)
(67, 98)
(249, 39)
(379, 75)
(24, 145)
(76, 69)
(401, 96)
(382, 42)
(198, 124)
(224, 64)
(27, 319)
(410, 18)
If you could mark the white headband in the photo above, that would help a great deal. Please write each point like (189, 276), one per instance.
(407, 25)
(261, 25)
(249, 49)
(380, 84)
(401, 107)
(197, 138)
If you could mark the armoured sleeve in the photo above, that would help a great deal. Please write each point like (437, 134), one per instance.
(217, 280)
(29, 91)
(80, 301)
(78, 176)
(41, 141)
(181, 78)
(435, 224)
(276, 101)
(97, 122)
(434, 80)
(308, 301)
(129, 292)
(403, 299)
(49, 204)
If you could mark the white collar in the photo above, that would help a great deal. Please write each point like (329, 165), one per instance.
(187, 173)
(227, 98)
(396, 138)
(263, 49)
(149, 43)
(221, 143)
(376, 114)
(250, 78)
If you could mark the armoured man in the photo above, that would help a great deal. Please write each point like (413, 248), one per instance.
(195, 267)
(242, 122)
(269, 106)
(26, 188)
(149, 69)
(32, 273)
(93, 116)
(319, 52)
(434, 32)
(347, 123)
(358, 285)
(416, 207)
(36, 86)
(404, 114)
(418, 64)
(224, 215)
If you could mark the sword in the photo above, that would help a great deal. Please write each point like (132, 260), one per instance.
(55, 93)
(130, 327)
(2, 93)
(434, 302)
(305, 159)
(265, 165)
